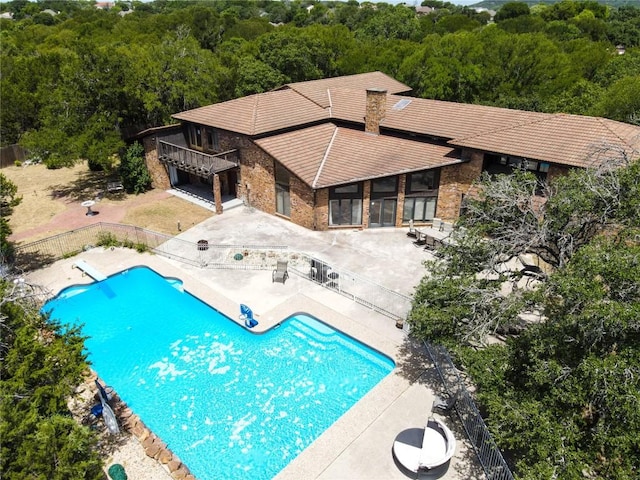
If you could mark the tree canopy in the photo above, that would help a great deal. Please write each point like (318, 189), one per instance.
(81, 83)
(561, 389)
(41, 365)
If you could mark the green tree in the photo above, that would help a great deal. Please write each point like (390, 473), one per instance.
(133, 170)
(446, 68)
(511, 10)
(397, 22)
(455, 23)
(562, 392)
(42, 363)
(571, 384)
(254, 76)
(621, 101)
(8, 200)
(294, 54)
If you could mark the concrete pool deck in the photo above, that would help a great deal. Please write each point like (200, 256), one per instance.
(358, 445)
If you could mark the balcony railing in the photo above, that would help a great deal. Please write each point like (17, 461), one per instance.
(196, 162)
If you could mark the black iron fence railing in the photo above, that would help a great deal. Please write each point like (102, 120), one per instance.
(489, 455)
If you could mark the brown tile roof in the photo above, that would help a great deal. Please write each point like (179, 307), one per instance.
(257, 114)
(316, 90)
(327, 155)
(429, 117)
(572, 140)
(556, 138)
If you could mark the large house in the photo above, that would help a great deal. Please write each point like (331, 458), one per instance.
(354, 151)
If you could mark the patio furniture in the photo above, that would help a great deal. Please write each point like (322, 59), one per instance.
(280, 274)
(107, 413)
(422, 450)
(429, 243)
(412, 230)
(421, 238)
(115, 187)
(246, 316)
(319, 271)
(88, 204)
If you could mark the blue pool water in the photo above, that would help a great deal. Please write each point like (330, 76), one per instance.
(228, 402)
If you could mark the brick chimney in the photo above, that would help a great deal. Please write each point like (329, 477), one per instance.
(376, 109)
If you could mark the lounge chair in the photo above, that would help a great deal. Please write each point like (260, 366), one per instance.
(107, 413)
(246, 315)
(422, 450)
(280, 274)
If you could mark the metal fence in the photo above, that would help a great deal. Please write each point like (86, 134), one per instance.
(203, 254)
(489, 455)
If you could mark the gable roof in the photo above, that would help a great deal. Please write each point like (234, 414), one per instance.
(316, 90)
(257, 114)
(327, 155)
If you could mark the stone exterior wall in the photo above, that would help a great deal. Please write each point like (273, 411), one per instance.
(402, 182)
(309, 208)
(158, 171)
(366, 202)
(322, 210)
(455, 181)
(231, 141)
(257, 179)
(302, 203)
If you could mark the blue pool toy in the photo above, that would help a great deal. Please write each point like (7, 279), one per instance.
(246, 315)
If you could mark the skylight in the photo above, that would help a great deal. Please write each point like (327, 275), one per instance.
(401, 104)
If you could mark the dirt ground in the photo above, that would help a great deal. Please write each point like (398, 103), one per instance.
(51, 204)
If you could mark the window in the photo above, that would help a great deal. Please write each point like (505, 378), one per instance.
(213, 142)
(497, 164)
(385, 185)
(421, 196)
(347, 211)
(345, 205)
(195, 136)
(419, 209)
(283, 200)
(422, 181)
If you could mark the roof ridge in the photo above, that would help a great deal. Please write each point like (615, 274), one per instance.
(254, 116)
(605, 123)
(324, 158)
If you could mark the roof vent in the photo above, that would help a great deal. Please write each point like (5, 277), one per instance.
(401, 104)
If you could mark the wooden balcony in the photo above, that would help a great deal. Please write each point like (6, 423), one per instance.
(193, 161)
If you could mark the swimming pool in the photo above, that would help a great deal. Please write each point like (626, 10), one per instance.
(228, 402)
